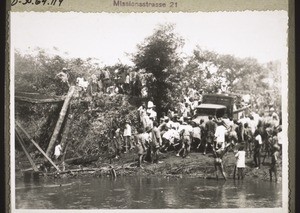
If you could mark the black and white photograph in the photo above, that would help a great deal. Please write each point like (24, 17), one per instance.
(120, 111)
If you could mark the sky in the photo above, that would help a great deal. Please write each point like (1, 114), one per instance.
(109, 36)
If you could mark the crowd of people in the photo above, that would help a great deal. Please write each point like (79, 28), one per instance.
(109, 82)
(253, 135)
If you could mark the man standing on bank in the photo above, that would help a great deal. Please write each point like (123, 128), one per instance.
(218, 155)
(156, 142)
(210, 128)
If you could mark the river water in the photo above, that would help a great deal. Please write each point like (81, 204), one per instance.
(143, 192)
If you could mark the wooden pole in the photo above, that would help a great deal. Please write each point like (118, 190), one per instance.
(65, 140)
(39, 101)
(60, 120)
(26, 152)
(37, 146)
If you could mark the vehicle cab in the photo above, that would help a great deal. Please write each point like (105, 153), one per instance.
(204, 110)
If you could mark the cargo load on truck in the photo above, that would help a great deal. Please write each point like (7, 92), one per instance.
(221, 105)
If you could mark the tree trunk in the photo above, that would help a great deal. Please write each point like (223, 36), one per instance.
(60, 120)
(39, 101)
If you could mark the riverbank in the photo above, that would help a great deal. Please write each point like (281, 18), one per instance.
(170, 166)
(196, 165)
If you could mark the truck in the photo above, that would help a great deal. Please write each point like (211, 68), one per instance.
(220, 105)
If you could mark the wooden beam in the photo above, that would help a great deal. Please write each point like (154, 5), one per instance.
(65, 140)
(34, 167)
(60, 120)
(37, 146)
(39, 101)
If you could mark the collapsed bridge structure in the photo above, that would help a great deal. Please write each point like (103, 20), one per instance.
(35, 98)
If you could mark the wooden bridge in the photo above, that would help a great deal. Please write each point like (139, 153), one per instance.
(36, 98)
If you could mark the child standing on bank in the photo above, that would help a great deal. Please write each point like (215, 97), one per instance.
(240, 162)
(127, 136)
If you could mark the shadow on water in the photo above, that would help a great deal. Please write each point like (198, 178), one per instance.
(143, 192)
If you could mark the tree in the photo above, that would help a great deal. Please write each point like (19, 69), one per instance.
(207, 69)
(159, 55)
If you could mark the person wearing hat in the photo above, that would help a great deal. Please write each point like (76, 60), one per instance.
(150, 104)
(150, 110)
(273, 166)
(64, 76)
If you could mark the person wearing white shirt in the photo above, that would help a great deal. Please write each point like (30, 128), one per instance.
(257, 147)
(186, 134)
(169, 123)
(142, 111)
(127, 135)
(175, 124)
(243, 120)
(171, 135)
(240, 162)
(220, 134)
(252, 124)
(152, 114)
(196, 135)
(279, 138)
(57, 151)
(147, 121)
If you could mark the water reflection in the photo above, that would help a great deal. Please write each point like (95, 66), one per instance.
(137, 192)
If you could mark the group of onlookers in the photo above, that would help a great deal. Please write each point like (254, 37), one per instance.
(110, 82)
(251, 136)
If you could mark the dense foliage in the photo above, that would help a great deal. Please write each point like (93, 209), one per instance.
(159, 55)
(206, 70)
